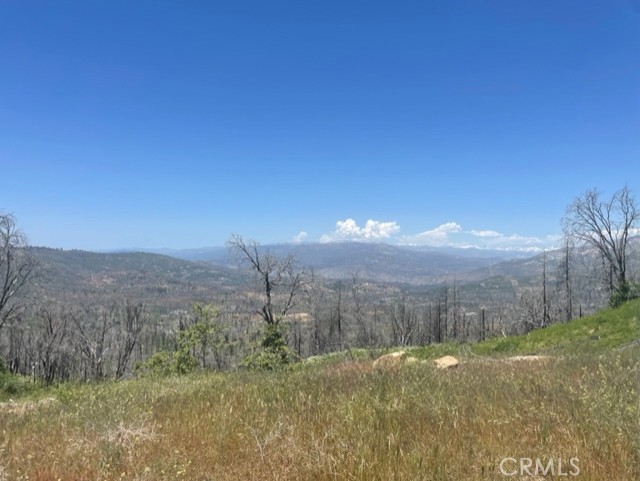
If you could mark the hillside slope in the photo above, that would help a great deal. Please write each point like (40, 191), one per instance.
(82, 275)
(607, 330)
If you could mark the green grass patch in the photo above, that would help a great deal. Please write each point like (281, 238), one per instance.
(605, 330)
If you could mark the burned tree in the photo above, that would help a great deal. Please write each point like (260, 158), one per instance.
(404, 322)
(281, 282)
(16, 268)
(48, 349)
(92, 328)
(131, 321)
(282, 285)
(605, 225)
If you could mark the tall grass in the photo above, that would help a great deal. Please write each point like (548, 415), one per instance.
(336, 421)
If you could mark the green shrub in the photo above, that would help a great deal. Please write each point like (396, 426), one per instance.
(274, 354)
(623, 293)
(10, 385)
(165, 363)
(157, 365)
(183, 362)
(13, 385)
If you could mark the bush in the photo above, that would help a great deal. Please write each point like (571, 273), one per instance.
(157, 365)
(274, 354)
(10, 385)
(14, 385)
(623, 293)
(165, 363)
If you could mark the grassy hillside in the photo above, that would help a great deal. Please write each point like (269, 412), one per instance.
(345, 420)
(607, 329)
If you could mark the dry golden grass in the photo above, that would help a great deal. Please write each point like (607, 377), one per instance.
(341, 421)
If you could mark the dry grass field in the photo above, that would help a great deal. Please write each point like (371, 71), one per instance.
(334, 419)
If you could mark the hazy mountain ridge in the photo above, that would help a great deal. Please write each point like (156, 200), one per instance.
(378, 262)
(78, 275)
(164, 279)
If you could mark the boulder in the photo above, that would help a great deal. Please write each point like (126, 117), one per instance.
(394, 359)
(446, 362)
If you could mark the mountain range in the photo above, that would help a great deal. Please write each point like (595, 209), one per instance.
(176, 280)
(378, 262)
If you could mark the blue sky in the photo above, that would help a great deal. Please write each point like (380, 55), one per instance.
(174, 124)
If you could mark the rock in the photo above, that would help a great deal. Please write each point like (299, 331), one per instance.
(394, 359)
(446, 362)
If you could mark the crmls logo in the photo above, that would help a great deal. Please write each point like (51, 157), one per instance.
(538, 467)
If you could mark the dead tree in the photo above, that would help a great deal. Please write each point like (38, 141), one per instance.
(281, 282)
(16, 268)
(605, 225)
(132, 320)
(546, 316)
(49, 345)
(565, 268)
(336, 324)
(364, 335)
(404, 321)
(92, 340)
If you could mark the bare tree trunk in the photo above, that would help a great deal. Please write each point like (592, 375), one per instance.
(131, 323)
(567, 281)
(16, 268)
(605, 226)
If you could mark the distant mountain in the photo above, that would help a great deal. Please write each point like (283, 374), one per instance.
(584, 262)
(372, 261)
(208, 254)
(168, 283)
(77, 275)
(378, 262)
(383, 262)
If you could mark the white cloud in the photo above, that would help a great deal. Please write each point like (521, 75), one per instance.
(300, 237)
(349, 230)
(438, 237)
(516, 242)
(485, 233)
(451, 234)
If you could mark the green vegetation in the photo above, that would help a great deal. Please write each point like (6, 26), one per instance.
(273, 353)
(193, 343)
(608, 329)
(14, 386)
(337, 417)
(624, 292)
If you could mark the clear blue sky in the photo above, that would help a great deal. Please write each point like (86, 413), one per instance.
(176, 123)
